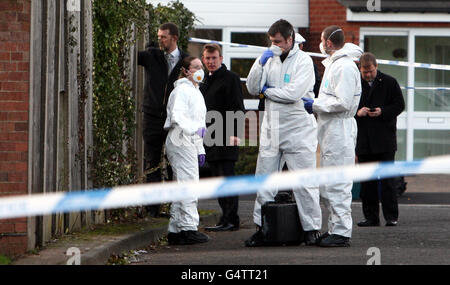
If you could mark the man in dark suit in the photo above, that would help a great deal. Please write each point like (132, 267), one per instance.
(381, 102)
(162, 68)
(223, 94)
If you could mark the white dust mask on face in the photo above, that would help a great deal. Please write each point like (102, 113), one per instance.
(198, 75)
(276, 50)
(322, 49)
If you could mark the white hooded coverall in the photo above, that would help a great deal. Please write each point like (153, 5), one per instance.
(186, 112)
(336, 107)
(287, 130)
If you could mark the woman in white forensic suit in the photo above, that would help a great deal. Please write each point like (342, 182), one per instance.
(186, 112)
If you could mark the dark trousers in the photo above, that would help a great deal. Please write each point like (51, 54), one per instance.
(379, 190)
(154, 139)
(229, 205)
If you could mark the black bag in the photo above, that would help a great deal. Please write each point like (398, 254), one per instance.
(399, 185)
(280, 221)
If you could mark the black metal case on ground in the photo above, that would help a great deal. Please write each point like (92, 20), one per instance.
(280, 221)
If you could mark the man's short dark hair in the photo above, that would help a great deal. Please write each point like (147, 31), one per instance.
(212, 48)
(173, 29)
(283, 27)
(337, 37)
(367, 59)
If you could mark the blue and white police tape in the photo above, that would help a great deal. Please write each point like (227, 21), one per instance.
(379, 61)
(145, 194)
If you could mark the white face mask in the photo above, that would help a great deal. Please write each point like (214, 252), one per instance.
(276, 50)
(198, 75)
(322, 49)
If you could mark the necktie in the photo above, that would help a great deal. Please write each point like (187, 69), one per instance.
(170, 62)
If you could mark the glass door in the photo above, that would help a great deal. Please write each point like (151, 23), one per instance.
(423, 130)
(392, 47)
(431, 104)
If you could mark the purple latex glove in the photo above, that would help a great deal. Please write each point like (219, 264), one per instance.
(201, 159)
(201, 132)
(308, 103)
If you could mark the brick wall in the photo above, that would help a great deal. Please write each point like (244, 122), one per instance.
(14, 101)
(323, 13)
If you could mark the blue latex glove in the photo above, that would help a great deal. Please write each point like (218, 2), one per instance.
(201, 132)
(201, 159)
(265, 56)
(265, 87)
(308, 103)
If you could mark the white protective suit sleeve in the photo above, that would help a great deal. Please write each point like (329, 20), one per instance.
(180, 111)
(198, 141)
(302, 81)
(254, 78)
(345, 81)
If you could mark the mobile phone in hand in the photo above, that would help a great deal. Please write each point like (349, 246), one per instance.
(372, 110)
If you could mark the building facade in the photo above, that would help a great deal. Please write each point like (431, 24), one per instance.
(409, 31)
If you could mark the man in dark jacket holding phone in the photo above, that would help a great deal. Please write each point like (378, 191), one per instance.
(162, 68)
(381, 102)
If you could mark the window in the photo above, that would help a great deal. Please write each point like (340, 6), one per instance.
(241, 59)
(242, 67)
(255, 39)
(195, 49)
(390, 48)
(432, 50)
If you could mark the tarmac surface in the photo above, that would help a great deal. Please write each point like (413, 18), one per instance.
(422, 237)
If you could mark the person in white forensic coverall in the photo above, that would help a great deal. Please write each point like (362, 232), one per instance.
(186, 112)
(336, 107)
(285, 74)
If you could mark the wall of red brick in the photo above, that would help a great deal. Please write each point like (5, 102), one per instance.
(15, 17)
(323, 13)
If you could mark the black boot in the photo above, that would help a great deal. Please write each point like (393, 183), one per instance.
(192, 237)
(257, 239)
(223, 228)
(311, 237)
(335, 241)
(369, 223)
(173, 238)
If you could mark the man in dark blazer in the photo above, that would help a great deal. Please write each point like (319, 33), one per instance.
(381, 102)
(222, 91)
(162, 68)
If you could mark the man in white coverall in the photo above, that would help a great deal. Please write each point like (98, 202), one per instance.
(336, 107)
(285, 74)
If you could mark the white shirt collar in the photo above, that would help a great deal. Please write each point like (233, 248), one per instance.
(176, 53)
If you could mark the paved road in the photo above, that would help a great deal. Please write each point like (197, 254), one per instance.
(422, 237)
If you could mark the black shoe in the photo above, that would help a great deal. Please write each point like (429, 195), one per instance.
(311, 237)
(335, 241)
(173, 238)
(368, 223)
(223, 228)
(257, 239)
(391, 223)
(191, 237)
(214, 228)
(321, 237)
